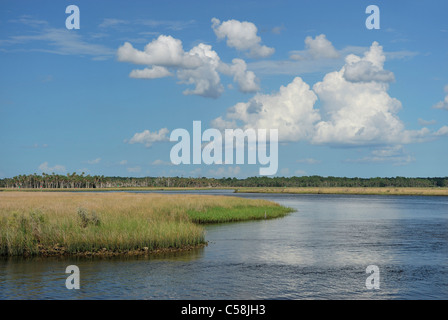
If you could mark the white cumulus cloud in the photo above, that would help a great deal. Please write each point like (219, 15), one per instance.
(246, 80)
(443, 131)
(290, 110)
(357, 113)
(150, 73)
(147, 137)
(44, 167)
(368, 68)
(351, 113)
(200, 67)
(318, 48)
(241, 36)
(443, 104)
(163, 51)
(205, 77)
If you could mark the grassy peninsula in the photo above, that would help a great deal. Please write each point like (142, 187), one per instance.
(52, 223)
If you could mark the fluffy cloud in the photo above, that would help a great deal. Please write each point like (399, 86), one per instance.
(443, 131)
(222, 123)
(197, 66)
(368, 68)
(164, 51)
(148, 138)
(351, 113)
(205, 77)
(318, 48)
(301, 62)
(246, 80)
(150, 73)
(200, 67)
(241, 36)
(443, 104)
(44, 167)
(290, 110)
(357, 113)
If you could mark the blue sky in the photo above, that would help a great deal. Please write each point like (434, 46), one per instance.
(348, 101)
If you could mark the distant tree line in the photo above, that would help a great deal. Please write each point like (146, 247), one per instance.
(75, 180)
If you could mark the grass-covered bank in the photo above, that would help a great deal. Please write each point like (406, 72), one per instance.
(353, 190)
(44, 223)
(112, 189)
(409, 191)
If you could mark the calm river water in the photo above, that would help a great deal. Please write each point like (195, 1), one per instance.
(321, 251)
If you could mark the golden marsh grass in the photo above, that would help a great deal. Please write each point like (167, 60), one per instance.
(351, 190)
(33, 223)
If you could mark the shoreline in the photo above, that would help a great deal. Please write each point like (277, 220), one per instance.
(406, 191)
(59, 251)
(393, 191)
(121, 189)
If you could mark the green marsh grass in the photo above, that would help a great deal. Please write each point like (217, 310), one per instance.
(237, 213)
